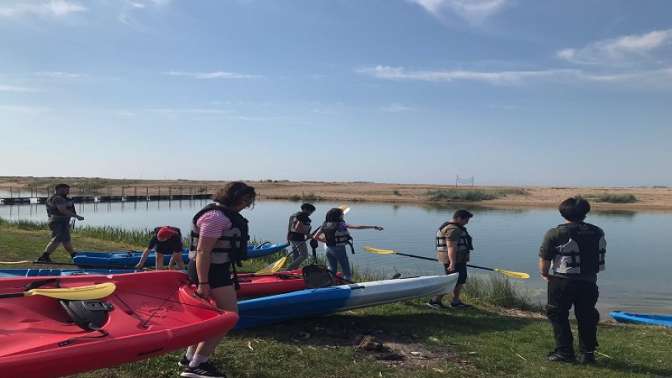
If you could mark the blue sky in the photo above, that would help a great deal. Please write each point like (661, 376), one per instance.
(415, 91)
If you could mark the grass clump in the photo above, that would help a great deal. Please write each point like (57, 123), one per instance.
(305, 197)
(470, 195)
(615, 198)
(498, 291)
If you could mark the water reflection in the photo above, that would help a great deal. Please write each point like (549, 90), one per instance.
(638, 257)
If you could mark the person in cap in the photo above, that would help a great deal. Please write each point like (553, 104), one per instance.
(570, 257)
(166, 240)
(60, 209)
(298, 232)
(453, 247)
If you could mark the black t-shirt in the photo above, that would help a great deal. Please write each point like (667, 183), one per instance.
(173, 244)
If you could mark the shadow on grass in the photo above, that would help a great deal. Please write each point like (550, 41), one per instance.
(346, 329)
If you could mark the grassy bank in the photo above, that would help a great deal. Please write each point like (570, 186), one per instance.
(398, 340)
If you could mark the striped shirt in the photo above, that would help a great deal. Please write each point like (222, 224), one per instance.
(212, 224)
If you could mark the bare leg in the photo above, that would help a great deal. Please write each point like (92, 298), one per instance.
(159, 261)
(456, 292)
(177, 260)
(51, 246)
(68, 247)
(226, 299)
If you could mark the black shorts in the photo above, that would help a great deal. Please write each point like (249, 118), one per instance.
(219, 275)
(460, 269)
(60, 231)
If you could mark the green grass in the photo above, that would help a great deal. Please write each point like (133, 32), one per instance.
(613, 198)
(477, 342)
(498, 291)
(471, 195)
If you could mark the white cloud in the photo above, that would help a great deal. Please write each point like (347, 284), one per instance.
(629, 49)
(493, 77)
(22, 109)
(472, 11)
(211, 75)
(17, 89)
(652, 79)
(52, 8)
(396, 108)
(58, 75)
(198, 111)
(130, 8)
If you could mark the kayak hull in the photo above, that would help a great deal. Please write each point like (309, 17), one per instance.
(128, 259)
(646, 319)
(152, 314)
(316, 302)
(251, 284)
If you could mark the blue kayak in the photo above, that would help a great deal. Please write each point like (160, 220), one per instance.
(317, 302)
(648, 319)
(6, 273)
(128, 259)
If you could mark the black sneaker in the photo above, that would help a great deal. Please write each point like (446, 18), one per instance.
(587, 358)
(44, 259)
(556, 356)
(183, 362)
(459, 304)
(204, 370)
(436, 305)
(73, 254)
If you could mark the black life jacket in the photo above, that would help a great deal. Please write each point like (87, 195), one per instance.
(298, 227)
(464, 243)
(52, 209)
(335, 235)
(581, 252)
(231, 246)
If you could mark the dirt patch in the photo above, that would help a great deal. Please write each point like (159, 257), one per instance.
(398, 353)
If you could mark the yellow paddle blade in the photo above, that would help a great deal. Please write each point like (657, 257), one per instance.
(76, 293)
(345, 209)
(15, 262)
(508, 273)
(379, 251)
(274, 267)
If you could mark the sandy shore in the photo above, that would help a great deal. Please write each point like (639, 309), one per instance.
(658, 198)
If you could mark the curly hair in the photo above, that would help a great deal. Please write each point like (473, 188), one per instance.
(234, 193)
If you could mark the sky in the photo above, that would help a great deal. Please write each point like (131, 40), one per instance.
(511, 92)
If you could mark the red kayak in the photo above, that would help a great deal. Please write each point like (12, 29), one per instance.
(148, 314)
(254, 285)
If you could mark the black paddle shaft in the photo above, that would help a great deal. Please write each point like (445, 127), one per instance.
(431, 259)
(12, 295)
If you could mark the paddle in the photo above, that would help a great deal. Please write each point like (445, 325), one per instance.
(508, 273)
(79, 293)
(280, 263)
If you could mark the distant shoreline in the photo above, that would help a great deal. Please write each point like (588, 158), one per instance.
(645, 198)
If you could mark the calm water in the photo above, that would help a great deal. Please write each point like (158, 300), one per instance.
(638, 256)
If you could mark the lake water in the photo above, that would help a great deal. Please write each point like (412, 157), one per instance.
(638, 255)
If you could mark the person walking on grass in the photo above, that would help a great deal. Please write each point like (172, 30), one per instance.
(570, 257)
(166, 240)
(219, 240)
(298, 232)
(60, 209)
(334, 233)
(453, 246)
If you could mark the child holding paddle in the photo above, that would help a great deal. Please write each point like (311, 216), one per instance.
(334, 233)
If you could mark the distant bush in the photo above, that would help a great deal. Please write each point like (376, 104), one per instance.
(396, 193)
(472, 195)
(614, 198)
(309, 197)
